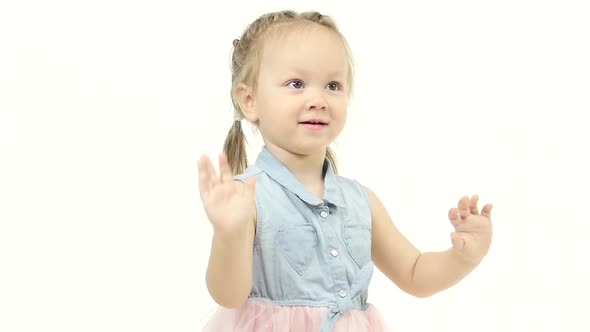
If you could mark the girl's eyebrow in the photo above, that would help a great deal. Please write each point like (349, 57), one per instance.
(301, 72)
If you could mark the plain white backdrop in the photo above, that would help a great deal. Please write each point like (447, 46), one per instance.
(105, 107)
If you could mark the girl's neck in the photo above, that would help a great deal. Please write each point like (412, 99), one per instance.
(308, 169)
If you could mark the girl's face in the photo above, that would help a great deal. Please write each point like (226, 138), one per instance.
(302, 80)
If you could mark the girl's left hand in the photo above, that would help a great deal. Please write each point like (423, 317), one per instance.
(473, 230)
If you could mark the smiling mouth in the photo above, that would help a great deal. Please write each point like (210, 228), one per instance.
(314, 123)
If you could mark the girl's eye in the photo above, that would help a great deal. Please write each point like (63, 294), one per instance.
(296, 84)
(334, 86)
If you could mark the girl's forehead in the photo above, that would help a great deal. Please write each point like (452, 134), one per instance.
(301, 38)
(304, 48)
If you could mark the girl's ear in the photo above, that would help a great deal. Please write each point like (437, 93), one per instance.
(245, 98)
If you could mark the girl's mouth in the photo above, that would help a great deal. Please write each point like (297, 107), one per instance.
(313, 125)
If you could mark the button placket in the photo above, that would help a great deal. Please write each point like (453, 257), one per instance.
(342, 293)
(332, 249)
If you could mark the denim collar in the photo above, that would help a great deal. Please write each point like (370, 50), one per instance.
(268, 163)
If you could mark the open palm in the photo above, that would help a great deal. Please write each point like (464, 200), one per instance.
(229, 204)
(473, 230)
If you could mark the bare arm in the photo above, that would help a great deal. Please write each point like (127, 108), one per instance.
(422, 274)
(437, 271)
(229, 274)
(231, 209)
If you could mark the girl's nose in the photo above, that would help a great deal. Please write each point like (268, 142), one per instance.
(316, 102)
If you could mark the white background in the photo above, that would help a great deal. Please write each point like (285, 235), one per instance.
(105, 107)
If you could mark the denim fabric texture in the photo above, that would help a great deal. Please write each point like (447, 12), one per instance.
(308, 250)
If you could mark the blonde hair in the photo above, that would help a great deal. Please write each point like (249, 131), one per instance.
(245, 66)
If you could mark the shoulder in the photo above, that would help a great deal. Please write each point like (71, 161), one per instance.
(374, 202)
(250, 171)
(350, 185)
(264, 183)
(378, 210)
(373, 198)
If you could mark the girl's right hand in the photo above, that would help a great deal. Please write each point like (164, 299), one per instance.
(229, 204)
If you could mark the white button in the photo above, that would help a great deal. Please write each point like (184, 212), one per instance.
(334, 252)
(324, 214)
(342, 293)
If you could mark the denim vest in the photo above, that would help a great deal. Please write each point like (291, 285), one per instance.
(310, 251)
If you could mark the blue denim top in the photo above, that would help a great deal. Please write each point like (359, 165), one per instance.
(310, 251)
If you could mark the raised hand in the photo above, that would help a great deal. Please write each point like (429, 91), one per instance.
(473, 230)
(229, 204)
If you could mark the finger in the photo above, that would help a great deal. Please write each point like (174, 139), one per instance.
(487, 210)
(463, 204)
(464, 207)
(473, 204)
(224, 169)
(213, 177)
(454, 217)
(203, 177)
(464, 214)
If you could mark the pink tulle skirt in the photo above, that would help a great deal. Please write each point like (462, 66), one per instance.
(263, 316)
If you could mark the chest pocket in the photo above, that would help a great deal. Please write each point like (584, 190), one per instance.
(357, 238)
(298, 244)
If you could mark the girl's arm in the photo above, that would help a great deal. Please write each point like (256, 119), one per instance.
(229, 274)
(231, 208)
(422, 274)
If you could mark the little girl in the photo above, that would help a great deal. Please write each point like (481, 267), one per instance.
(294, 244)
